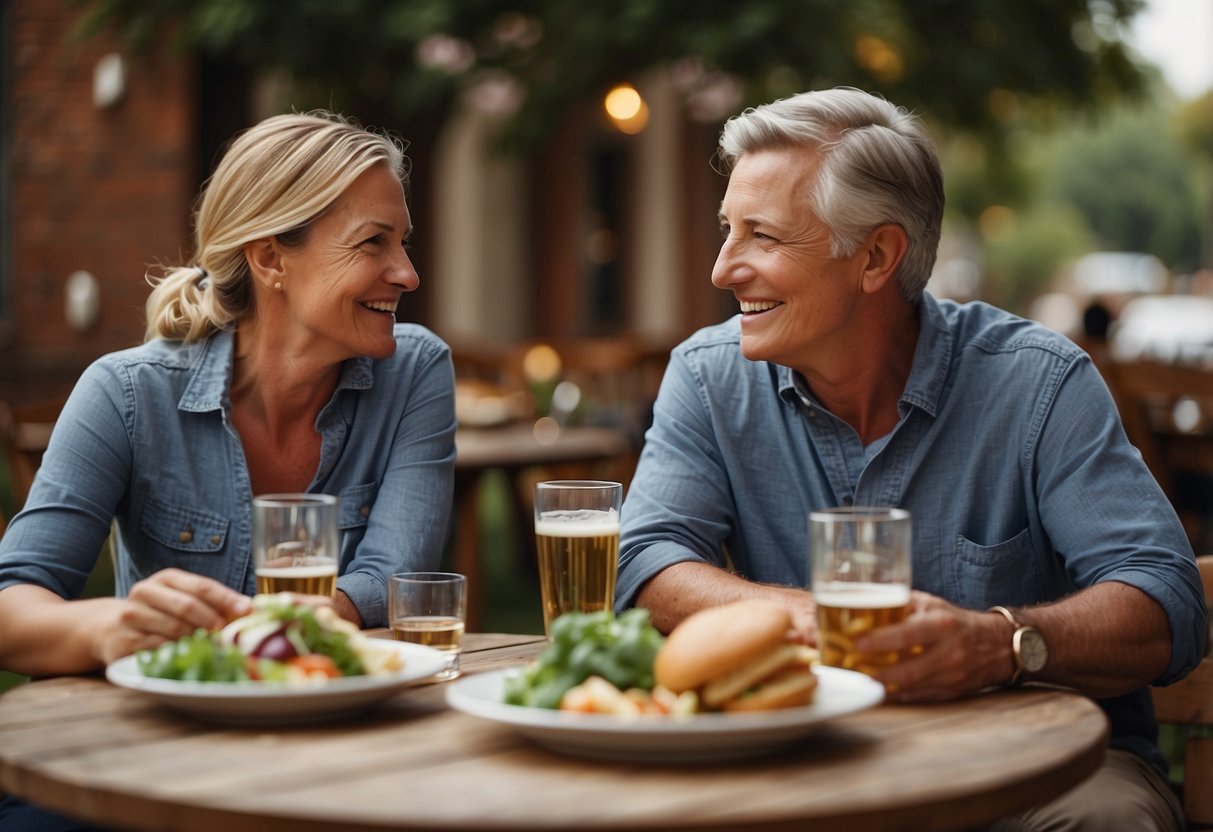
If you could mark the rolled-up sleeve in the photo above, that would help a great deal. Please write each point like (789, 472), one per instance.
(54, 542)
(679, 505)
(1108, 518)
(409, 523)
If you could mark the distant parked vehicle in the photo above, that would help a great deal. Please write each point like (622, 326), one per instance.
(1106, 273)
(1168, 328)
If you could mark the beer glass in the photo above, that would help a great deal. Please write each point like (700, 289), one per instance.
(295, 543)
(860, 579)
(430, 608)
(577, 541)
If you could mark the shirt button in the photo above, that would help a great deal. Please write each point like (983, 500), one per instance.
(186, 536)
(215, 539)
(365, 511)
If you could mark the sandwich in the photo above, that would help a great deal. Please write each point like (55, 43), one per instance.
(738, 657)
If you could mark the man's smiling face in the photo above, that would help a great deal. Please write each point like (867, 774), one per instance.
(795, 298)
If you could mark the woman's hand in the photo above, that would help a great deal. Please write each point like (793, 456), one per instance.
(346, 609)
(165, 606)
(339, 602)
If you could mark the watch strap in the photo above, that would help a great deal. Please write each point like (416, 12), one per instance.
(1017, 676)
(1007, 614)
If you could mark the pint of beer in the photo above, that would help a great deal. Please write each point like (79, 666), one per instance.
(860, 578)
(319, 579)
(295, 543)
(845, 609)
(577, 541)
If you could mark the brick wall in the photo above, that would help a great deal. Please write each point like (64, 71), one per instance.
(103, 190)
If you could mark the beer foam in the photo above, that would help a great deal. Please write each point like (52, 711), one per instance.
(313, 571)
(577, 523)
(858, 595)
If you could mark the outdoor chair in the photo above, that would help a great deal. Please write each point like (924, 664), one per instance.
(1167, 410)
(1188, 705)
(25, 431)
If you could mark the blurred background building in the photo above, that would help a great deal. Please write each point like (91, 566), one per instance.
(541, 212)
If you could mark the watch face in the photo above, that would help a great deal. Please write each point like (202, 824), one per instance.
(1032, 650)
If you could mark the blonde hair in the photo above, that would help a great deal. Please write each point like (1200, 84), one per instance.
(877, 166)
(275, 180)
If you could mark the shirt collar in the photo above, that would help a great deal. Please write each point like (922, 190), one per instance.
(208, 386)
(928, 373)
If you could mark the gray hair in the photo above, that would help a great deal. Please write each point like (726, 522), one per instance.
(275, 180)
(877, 166)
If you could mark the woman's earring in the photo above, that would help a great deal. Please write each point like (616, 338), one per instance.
(277, 285)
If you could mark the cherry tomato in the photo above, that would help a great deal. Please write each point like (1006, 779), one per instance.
(315, 664)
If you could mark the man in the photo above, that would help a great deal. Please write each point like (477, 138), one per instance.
(843, 383)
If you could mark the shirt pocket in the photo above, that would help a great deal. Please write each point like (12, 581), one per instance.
(188, 538)
(1002, 573)
(356, 504)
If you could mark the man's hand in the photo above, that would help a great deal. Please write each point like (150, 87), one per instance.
(946, 652)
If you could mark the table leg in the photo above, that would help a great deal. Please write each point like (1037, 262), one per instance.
(466, 545)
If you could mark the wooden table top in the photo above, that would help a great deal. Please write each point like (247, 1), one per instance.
(83, 747)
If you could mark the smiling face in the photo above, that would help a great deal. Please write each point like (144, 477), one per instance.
(341, 286)
(798, 303)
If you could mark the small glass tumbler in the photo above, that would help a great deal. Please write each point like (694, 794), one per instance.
(430, 608)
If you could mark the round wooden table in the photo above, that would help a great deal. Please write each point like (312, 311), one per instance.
(107, 755)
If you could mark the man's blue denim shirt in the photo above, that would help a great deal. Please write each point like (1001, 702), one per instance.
(1009, 454)
(146, 440)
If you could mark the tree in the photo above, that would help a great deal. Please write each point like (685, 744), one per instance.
(1135, 184)
(968, 63)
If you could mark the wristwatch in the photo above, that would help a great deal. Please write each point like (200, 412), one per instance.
(1027, 646)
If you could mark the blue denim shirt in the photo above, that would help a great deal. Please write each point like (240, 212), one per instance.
(1009, 454)
(146, 439)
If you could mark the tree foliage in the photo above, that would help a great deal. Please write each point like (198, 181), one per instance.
(968, 63)
(1023, 259)
(1135, 185)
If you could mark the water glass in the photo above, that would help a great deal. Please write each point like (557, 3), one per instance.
(430, 608)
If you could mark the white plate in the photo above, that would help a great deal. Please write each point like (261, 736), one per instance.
(265, 703)
(715, 736)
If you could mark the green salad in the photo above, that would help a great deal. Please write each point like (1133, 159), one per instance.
(282, 640)
(619, 649)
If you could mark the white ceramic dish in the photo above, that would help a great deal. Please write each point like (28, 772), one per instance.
(715, 736)
(264, 703)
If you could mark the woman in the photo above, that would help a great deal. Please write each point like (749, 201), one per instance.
(272, 365)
